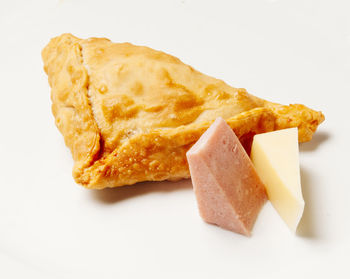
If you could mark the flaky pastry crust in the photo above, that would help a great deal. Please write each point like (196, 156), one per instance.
(129, 113)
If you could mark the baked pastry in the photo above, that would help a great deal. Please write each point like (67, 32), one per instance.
(129, 113)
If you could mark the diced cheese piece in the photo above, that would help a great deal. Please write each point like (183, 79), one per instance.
(275, 156)
(229, 192)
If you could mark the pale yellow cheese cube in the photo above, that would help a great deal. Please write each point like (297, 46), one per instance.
(275, 156)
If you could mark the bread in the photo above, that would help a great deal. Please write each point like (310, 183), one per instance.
(129, 113)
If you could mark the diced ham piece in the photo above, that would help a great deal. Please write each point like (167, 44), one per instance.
(228, 190)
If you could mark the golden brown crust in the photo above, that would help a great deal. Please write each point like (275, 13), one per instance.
(130, 113)
(70, 104)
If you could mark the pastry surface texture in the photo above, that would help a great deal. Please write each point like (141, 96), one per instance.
(130, 113)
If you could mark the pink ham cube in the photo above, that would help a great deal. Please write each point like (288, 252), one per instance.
(228, 190)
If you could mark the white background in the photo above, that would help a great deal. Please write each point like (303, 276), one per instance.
(283, 51)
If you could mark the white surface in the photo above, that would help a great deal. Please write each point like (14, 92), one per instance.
(284, 51)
